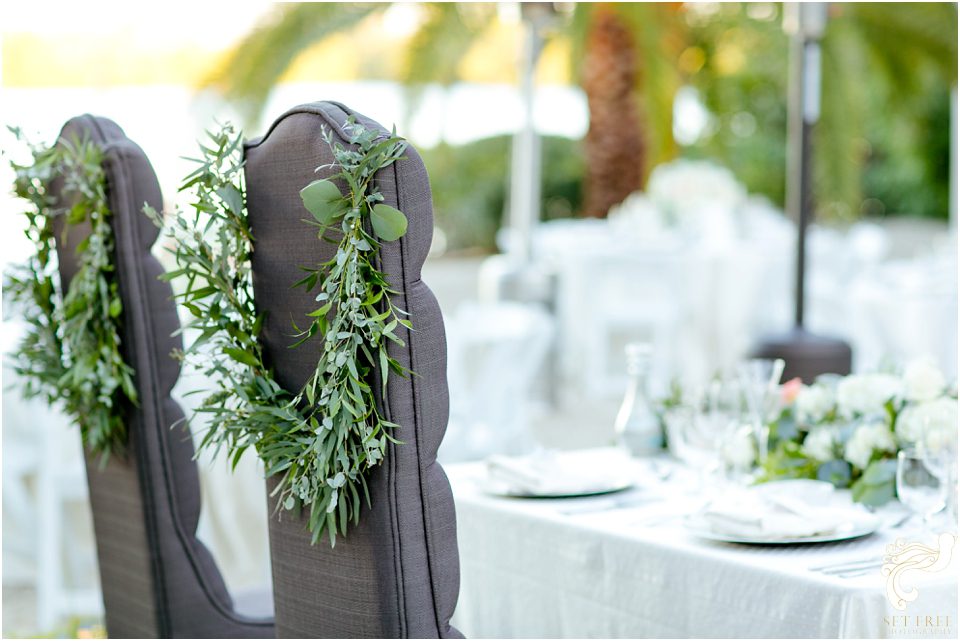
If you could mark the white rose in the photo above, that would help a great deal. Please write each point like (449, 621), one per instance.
(813, 402)
(923, 380)
(819, 444)
(866, 393)
(739, 451)
(933, 423)
(867, 439)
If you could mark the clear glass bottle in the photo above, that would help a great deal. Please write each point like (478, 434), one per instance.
(637, 426)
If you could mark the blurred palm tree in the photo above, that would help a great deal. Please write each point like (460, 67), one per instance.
(628, 75)
(878, 59)
(881, 62)
(443, 37)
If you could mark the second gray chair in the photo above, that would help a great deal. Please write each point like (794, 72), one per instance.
(397, 573)
(158, 578)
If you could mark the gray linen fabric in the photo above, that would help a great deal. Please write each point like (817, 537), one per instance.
(397, 573)
(158, 579)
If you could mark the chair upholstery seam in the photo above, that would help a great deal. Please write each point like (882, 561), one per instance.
(417, 414)
(146, 491)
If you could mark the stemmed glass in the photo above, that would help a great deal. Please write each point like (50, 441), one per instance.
(759, 378)
(699, 430)
(937, 448)
(918, 487)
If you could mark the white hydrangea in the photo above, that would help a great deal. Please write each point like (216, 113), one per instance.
(923, 380)
(933, 422)
(820, 444)
(866, 393)
(813, 403)
(636, 218)
(870, 437)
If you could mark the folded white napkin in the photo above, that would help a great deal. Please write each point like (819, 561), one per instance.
(549, 473)
(763, 512)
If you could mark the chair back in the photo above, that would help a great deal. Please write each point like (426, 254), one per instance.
(396, 574)
(157, 577)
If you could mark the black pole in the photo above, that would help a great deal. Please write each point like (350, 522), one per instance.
(803, 222)
(806, 355)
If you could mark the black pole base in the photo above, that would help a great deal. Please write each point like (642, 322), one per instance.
(807, 355)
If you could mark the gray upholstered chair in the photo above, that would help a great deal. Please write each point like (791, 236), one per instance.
(396, 574)
(158, 579)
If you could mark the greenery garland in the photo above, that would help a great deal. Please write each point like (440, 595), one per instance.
(70, 355)
(327, 436)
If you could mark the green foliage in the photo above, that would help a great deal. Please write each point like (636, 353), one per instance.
(470, 185)
(880, 145)
(327, 436)
(739, 66)
(442, 40)
(878, 484)
(787, 461)
(257, 63)
(70, 355)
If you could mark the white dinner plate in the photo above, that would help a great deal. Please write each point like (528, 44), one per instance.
(497, 488)
(860, 525)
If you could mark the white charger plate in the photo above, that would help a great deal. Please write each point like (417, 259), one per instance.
(859, 526)
(497, 488)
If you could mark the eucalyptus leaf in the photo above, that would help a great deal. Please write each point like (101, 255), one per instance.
(323, 199)
(388, 223)
(70, 354)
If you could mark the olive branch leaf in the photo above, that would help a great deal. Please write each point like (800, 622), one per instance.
(70, 354)
(324, 439)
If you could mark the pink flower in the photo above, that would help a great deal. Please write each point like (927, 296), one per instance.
(790, 389)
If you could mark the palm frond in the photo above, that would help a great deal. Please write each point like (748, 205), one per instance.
(439, 45)
(659, 37)
(256, 64)
(901, 34)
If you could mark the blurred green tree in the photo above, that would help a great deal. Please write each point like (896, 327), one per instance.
(887, 73)
(470, 186)
(630, 79)
(881, 145)
(629, 45)
(256, 64)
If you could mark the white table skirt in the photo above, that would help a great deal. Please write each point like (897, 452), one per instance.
(530, 569)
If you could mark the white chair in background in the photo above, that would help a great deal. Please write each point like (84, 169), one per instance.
(495, 354)
(21, 460)
(622, 298)
(45, 500)
(67, 580)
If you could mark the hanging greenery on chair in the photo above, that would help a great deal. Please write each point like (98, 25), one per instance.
(70, 353)
(323, 439)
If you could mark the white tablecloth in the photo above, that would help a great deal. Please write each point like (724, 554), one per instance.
(538, 568)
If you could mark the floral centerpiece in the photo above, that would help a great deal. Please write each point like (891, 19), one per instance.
(848, 430)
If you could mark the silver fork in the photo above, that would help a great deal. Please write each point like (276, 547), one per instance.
(860, 565)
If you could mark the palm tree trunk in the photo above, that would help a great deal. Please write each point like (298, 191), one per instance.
(614, 146)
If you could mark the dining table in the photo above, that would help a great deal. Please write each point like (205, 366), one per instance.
(628, 565)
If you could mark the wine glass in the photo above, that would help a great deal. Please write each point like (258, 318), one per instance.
(917, 487)
(759, 378)
(937, 447)
(699, 432)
